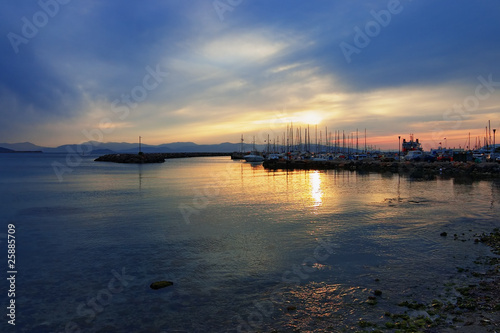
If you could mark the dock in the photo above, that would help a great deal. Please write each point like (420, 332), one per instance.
(151, 157)
(423, 170)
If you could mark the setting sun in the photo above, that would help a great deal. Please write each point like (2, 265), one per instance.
(310, 117)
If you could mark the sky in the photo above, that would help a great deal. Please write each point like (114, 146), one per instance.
(210, 71)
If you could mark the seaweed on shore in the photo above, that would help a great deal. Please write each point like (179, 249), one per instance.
(475, 306)
(492, 240)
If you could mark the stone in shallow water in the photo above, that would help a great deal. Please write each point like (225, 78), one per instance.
(160, 284)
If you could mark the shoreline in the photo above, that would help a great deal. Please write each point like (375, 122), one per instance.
(424, 170)
(472, 303)
(143, 158)
(22, 152)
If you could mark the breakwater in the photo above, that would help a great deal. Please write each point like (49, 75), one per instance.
(425, 170)
(151, 157)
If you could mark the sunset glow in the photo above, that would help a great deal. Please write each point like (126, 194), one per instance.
(310, 117)
(189, 72)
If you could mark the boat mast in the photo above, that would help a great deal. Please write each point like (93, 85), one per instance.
(486, 138)
(316, 137)
(326, 139)
(308, 138)
(365, 140)
(489, 133)
(343, 141)
(357, 141)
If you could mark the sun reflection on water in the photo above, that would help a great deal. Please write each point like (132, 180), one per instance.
(316, 192)
(317, 303)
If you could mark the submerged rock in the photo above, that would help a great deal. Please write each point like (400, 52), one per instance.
(160, 284)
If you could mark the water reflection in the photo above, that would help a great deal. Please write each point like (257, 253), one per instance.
(249, 227)
(495, 193)
(317, 302)
(140, 177)
(316, 192)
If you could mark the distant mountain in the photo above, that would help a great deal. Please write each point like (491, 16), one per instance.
(102, 152)
(187, 147)
(124, 147)
(5, 150)
(91, 146)
(177, 145)
(115, 146)
(23, 146)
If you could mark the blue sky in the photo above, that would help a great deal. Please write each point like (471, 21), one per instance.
(208, 71)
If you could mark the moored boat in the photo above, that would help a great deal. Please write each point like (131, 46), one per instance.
(253, 157)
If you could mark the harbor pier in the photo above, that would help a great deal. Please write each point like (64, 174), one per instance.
(426, 170)
(143, 158)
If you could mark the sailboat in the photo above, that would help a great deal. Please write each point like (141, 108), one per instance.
(254, 155)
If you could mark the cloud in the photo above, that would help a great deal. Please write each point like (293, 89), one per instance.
(263, 60)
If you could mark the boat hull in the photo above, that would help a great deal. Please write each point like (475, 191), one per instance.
(253, 158)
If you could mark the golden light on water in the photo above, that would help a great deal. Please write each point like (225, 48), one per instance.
(322, 302)
(316, 192)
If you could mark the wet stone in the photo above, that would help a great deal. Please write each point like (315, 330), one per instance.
(160, 284)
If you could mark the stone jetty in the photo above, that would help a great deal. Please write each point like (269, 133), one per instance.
(131, 158)
(425, 170)
(151, 157)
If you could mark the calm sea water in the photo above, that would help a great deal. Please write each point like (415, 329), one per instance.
(247, 249)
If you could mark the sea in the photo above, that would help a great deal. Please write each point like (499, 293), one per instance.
(247, 249)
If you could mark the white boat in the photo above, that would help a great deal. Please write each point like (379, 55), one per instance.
(414, 155)
(253, 157)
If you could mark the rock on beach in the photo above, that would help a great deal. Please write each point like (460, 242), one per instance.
(160, 284)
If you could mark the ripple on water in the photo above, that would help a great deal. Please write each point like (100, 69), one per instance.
(51, 211)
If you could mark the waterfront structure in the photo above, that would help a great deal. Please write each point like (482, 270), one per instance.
(411, 145)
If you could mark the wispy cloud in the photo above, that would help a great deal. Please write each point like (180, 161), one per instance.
(229, 77)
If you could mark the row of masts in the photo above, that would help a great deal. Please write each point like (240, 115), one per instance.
(304, 140)
(479, 142)
(487, 141)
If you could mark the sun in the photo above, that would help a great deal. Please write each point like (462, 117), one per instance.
(310, 117)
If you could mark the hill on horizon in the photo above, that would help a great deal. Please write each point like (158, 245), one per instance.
(125, 147)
